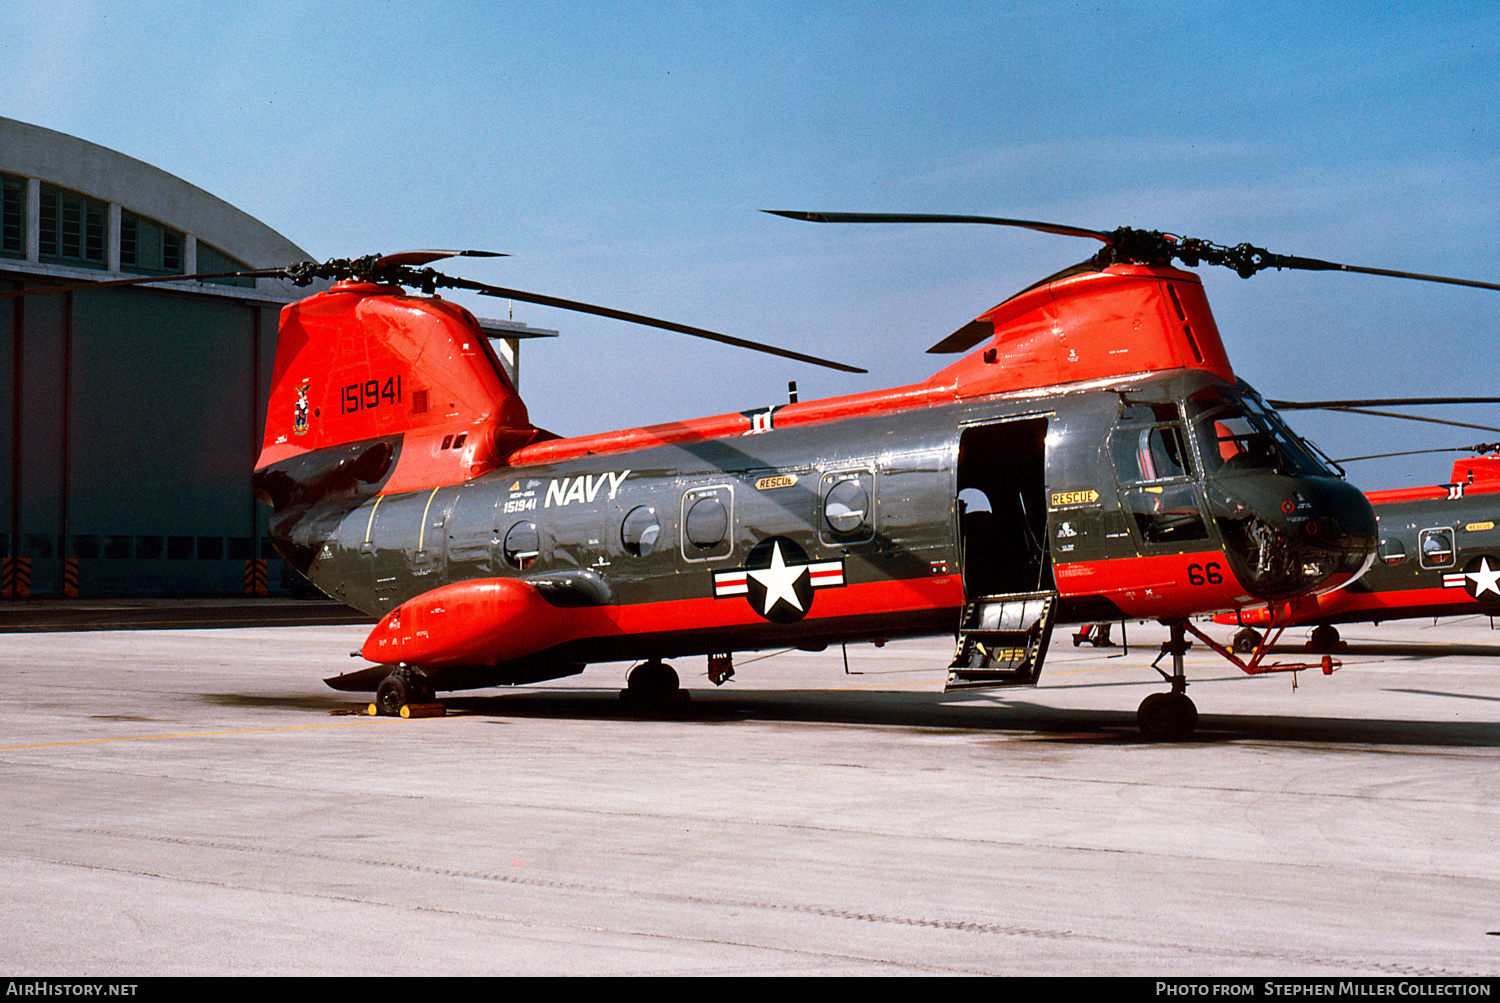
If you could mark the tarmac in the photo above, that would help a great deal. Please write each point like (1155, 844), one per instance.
(196, 801)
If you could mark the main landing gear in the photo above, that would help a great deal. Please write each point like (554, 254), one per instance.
(653, 682)
(406, 686)
(1172, 716)
(1325, 639)
(1246, 640)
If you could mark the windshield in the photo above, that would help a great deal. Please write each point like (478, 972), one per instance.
(1237, 433)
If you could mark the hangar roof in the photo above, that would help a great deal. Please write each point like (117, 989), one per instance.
(101, 173)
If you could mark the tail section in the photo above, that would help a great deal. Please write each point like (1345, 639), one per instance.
(363, 363)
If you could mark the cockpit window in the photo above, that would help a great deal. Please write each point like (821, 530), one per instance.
(1150, 454)
(1238, 433)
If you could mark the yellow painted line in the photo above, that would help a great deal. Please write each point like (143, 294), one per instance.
(194, 734)
(422, 533)
(370, 526)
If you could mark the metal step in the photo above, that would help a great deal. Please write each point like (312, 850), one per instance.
(1002, 641)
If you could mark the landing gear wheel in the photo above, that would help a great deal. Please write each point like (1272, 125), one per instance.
(405, 686)
(1324, 639)
(1246, 640)
(1168, 717)
(391, 695)
(652, 682)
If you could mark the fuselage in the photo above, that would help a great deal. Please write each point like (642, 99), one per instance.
(884, 524)
(406, 481)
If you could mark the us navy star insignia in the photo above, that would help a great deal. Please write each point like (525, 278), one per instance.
(778, 579)
(1479, 578)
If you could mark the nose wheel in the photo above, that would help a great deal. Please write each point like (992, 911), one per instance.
(1170, 717)
(1167, 717)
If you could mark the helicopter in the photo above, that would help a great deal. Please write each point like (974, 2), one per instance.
(1091, 455)
(1438, 555)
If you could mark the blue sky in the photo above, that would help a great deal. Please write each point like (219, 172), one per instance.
(619, 153)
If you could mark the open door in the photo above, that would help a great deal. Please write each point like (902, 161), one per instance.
(1010, 597)
(1002, 508)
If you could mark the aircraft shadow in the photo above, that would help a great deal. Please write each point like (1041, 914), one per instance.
(1396, 649)
(1011, 718)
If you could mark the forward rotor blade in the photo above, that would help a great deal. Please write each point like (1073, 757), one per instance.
(1316, 265)
(1377, 402)
(1412, 417)
(1481, 447)
(635, 318)
(1151, 247)
(1061, 229)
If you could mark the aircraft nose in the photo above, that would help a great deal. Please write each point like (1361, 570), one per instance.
(1342, 524)
(1291, 536)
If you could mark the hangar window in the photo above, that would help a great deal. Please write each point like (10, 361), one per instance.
(148, 248)
(36, 545)
(12, 216)
(71, 228)
(212, 261)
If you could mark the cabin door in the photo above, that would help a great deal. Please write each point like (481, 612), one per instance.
(1002, 509)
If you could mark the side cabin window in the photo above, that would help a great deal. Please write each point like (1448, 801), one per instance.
(1436, 547)
(1155, 472)
(707, 522)
(848, 507)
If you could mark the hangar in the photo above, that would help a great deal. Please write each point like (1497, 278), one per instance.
(130, 417)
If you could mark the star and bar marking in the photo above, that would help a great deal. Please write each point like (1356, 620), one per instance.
(1478, 579)
(778, 579)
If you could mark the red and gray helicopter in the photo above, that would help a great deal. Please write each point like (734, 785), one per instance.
(1091, 456)
(1438, 555)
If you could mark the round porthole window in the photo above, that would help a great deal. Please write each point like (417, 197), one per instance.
(706, 524)
(522, 545)
(847, 507)
(640, 531)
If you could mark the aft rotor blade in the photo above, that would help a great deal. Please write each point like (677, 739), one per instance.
(259, 273)
(415, 258)
(636, 318)
(1062, 229)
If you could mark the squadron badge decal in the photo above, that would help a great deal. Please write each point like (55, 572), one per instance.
(299, 413)
(778, 580)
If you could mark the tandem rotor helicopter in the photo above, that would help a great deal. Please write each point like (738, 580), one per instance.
(1090, 457)
(1438, 555)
